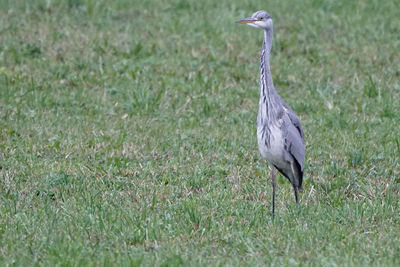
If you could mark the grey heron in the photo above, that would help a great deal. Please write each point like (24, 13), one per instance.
(279, 133)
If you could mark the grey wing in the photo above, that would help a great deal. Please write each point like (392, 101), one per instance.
(294, 119)
(294, 144)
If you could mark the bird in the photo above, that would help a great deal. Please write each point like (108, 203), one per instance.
(280, 136)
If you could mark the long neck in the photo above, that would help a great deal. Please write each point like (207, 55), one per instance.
(267, 85)
(269, 105)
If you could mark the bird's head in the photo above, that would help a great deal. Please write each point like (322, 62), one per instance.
(260, 19)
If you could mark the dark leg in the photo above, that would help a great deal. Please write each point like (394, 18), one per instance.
(273, 181)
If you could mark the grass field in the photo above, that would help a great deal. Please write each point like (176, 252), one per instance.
(127, 133)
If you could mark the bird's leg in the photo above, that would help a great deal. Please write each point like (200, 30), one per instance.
(273, 181)
(295, 183)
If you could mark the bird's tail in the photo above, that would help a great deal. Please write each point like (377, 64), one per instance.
(298, 177)
(300, 180)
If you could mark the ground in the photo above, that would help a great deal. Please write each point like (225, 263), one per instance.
(128, 133)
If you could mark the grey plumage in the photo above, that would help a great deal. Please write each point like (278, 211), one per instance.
(279, 133)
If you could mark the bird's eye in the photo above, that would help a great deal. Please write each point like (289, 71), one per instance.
(261, 18)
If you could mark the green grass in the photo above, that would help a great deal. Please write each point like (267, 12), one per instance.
(127, 133)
